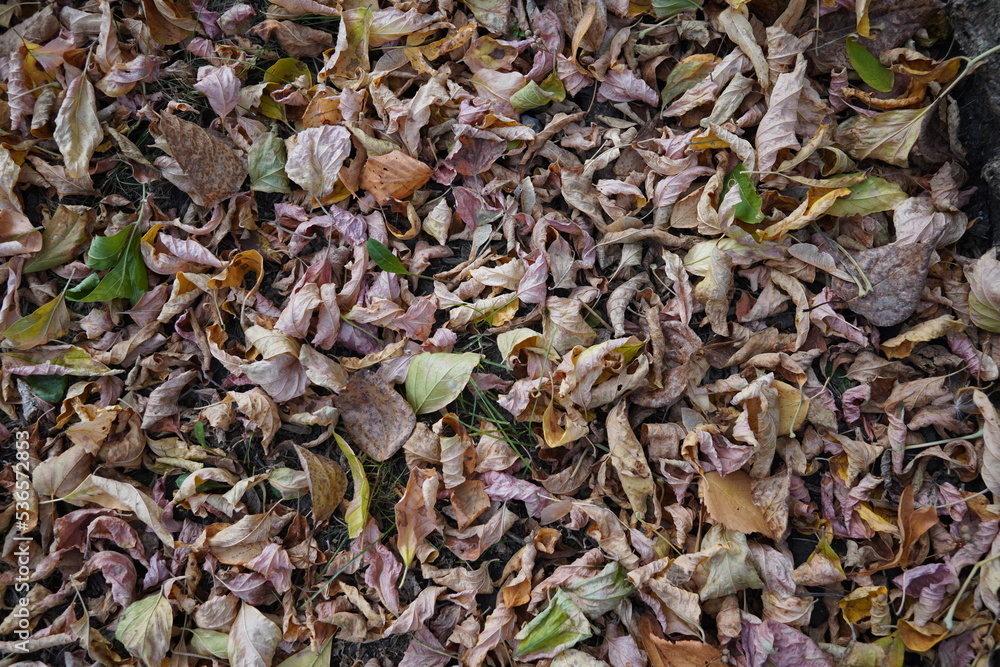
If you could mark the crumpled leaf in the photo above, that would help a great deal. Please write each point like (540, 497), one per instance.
(729, 567)
(315, 156)
(629, 460)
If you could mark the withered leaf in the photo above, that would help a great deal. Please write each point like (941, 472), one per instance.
(729, 501)
(377, 417)
(395, 175)
(211, 168)
(897, 274)
(327, 482)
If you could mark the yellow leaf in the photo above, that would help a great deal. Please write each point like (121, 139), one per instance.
(900, 346)
(815, 205)
(793, 406)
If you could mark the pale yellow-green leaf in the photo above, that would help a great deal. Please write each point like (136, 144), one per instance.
(310, 658)
(357, 509)
(210, 642)
(435, 379)
(144, 629)
(48, 322)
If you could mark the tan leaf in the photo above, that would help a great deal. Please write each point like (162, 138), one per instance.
(327, 482)
(143, 506)
(258, 407)
(887, 136)
(78, 130)
(729, 501)
(377, 417)
(253, 638)
(395, 175)
(629, 460)
(211, 168)
(244, 540)
(415, 515)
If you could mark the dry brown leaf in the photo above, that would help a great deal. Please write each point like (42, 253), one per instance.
(897, 275)
(211, 168)
(327, 483)
(686, 653)
(395, 175)
(729, 501)
(376, 416)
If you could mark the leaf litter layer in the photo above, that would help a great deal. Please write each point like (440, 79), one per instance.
(494, 333)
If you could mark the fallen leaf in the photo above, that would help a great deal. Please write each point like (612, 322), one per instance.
(145, 628)
(315, 156)
(253, 639)
(78, 130)
(395, 175)
(729, 501)
(211, 169)
(327, 483)
(897, 275)
(376, 417)
(435, 379)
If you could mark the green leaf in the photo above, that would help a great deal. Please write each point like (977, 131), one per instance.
(266, 161)
(533, 95)
(145, 627)
(384, 258)
(64, 234)
(211, 642)
(868, 67)
(46, 323)
(49, 388)
(127, 279)
(560, 626)
(871, 195)
(198, 430)
(748, 210)
(435, 379)
(310, 658)
(665, 9)
(357, 509)
(105, 251)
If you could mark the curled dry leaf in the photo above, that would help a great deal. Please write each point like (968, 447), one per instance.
(327, 483)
